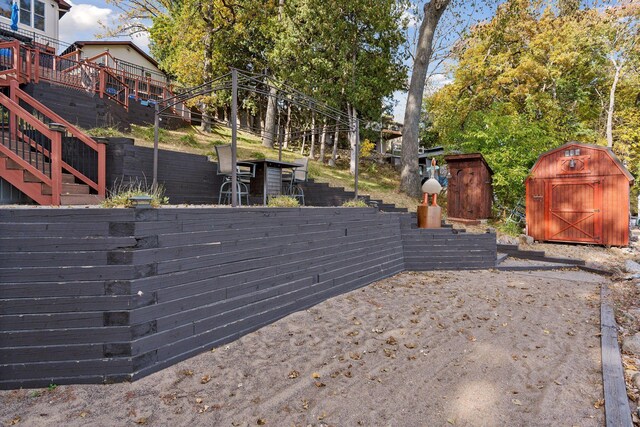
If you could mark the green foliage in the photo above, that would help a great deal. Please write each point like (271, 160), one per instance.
(355, 203)
(366, 148)
(105, 132)
(283, 202)
(120, 195)
(528, 81)
(52, 387)
(147, 133)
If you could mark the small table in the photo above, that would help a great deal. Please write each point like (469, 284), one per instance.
(268, 179)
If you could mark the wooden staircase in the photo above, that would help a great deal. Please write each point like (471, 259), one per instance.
(33, 159)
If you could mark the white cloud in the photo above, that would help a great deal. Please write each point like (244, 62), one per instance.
(141, 40)
(81, 22)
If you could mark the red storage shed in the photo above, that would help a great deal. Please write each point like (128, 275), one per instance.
(579, 193)
(470, 192)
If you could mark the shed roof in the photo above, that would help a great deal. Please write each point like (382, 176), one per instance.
(468, 156)
(606, 150)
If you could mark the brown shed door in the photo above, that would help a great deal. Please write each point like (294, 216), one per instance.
(574, 211)
(465, 191)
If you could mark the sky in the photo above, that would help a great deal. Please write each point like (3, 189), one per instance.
(81, 22)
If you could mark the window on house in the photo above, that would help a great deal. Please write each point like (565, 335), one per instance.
(5, 8)
(25, 12)
(38, 15)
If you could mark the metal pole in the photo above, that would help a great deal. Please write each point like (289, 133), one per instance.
(234, 134)
(357, 136)
(156, 131)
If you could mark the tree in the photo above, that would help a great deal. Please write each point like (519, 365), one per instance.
(410, 179)
(528, 81)
(350, 51)
(624, 41)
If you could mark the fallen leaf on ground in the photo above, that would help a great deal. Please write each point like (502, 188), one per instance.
(315, 375)
(305, 404)
(516, 402)
(391, 340)
(261, 421)
(205, 379)
(14, 421)
(198, 400)
(599, 403)
(293, 374)
(142, 420)
(410, 345)
(319, 384)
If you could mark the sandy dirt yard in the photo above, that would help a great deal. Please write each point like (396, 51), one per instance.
(479, 348)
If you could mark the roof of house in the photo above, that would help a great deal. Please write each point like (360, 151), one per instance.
(63, 5)
(127, 43)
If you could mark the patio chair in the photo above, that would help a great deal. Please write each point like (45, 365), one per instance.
(291, 183)
(244, 174)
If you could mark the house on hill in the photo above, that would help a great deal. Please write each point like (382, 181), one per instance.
(39, 21)
(123, 55)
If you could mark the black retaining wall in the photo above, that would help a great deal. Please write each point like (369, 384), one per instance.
(88, 110)
(186, 178)
(103, 295)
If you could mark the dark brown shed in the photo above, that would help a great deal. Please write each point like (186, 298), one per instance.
(579, 193)
(469, 192)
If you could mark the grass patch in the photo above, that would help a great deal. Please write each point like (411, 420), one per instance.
(283, 202)
(355, 203)
(120, 196)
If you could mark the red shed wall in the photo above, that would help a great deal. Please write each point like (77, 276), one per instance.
(596, 165)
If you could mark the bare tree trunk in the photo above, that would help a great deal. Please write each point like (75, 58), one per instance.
(312, 145)
(205, 122)
(304, 141)
(334, 153)
(270, 121)
(323, 140)
(287, 128)
(353, 114)
(612, 101)
(409, 177)
(269, 131)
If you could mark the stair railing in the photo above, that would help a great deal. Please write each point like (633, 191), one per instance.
(76, 153)
(41, 154)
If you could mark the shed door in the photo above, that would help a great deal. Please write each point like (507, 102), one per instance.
(573, 211)
(465, 197)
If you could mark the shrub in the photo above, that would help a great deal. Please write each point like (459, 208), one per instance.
(355, 203)
(120, 195)
(283, 202)
(366, 148)
(104, 132)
